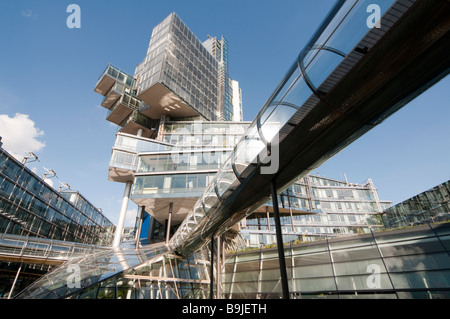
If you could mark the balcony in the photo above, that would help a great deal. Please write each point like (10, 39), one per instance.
(117, 90)
(137, 121)
(123, 108)
(124, 157)
(110, 76)
(122, 166)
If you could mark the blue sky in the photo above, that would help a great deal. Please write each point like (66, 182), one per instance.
(49, 72)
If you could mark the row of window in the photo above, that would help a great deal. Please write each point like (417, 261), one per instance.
(167, 184)
(182, 162)
(137, 145)
(203, 140)
(430, 205)
(199, 127)
(56, 227)
(260, 219)
(44, 211)
(178, 59)
(26, 182)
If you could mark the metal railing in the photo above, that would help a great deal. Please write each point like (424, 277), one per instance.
(42, 250)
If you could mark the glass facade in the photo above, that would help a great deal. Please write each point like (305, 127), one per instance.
(184, 161)
(314, 207)
(219, 50)
(136, 144)
(399, 264)
(177, 59)
(404, 264)
(181, 166)
(432, 205)
(40, 227)
(30, 207)
(127, 147)
(174, 185)
(123, 81)
(198, 134)
(166, 278)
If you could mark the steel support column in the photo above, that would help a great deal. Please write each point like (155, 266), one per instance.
(15, 281)
(211, 270)
(279, 236)
(169, 221)
(219, 265)
(139, 226)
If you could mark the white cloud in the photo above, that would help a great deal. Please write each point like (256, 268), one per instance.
(49, 182)
(130, 219)
(19, 135)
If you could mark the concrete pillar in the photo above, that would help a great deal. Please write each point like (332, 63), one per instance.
(122, 215)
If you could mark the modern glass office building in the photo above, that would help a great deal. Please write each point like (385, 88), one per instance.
(41, 227)
(181, 79)
(178, 74)
(315, 207)
(30, 207)
(202, 194)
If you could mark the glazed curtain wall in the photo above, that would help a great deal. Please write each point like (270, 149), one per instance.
(410, 263)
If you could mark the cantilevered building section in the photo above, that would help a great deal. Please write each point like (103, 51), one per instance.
(178, 77)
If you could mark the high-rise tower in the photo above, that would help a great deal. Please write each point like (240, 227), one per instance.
(180, 79)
